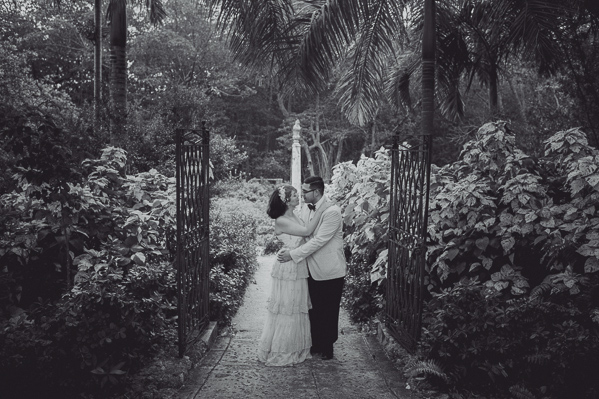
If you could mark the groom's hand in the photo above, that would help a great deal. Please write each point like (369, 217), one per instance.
(283, 256)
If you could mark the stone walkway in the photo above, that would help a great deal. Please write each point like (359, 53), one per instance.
(230, 369)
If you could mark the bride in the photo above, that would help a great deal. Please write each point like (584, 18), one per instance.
(286, 336)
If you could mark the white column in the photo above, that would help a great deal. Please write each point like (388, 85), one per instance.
(296, 159)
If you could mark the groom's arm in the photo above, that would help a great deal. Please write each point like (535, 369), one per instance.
(329, 226)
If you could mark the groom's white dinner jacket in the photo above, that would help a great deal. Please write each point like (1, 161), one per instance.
(323, 250)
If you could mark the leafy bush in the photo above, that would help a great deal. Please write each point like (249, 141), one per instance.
(248, 197)
(232, 257)
(526, 231)
(103, 241)
(97, 334)
(87, 281)
(548, 348)
(513, 239)
(362, 190)
(226, 156)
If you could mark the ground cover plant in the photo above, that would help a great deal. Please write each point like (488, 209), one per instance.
(511, 279)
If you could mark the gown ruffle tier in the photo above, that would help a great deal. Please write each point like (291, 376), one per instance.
(286, 336)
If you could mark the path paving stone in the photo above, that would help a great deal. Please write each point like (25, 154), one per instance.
(231, 370)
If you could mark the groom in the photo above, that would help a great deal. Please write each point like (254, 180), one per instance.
(326, 264)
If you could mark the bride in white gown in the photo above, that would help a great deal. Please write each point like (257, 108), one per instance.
(286, 336)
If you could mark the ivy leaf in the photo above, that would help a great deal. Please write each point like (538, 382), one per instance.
(482, 243)
(487, 263)
(508, 243)
(576, 186)
(529, 217)
(452, 253)
(526, 229)
(586, 250)
(549, 223)
(591, 265)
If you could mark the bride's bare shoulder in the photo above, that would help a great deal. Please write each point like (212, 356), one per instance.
(279, 223)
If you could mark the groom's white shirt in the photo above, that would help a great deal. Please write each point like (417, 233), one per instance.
(323, 251)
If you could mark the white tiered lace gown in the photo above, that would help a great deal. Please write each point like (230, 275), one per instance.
(286, 336)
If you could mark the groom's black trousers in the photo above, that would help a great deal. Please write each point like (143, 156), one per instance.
(324, 315)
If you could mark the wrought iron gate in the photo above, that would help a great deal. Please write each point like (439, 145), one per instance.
(192, 263)
(408, 214)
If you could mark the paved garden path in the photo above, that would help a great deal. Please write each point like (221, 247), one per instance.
(230, 369)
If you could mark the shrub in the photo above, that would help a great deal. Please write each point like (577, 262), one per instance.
(525, 231)
(362, 191)
(103, 244)
(513, 259)
(232, 256)
(487, 344)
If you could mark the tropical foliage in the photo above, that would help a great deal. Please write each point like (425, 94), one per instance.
(88, 284)
(512, 266)
(362, 190)
(86, 231)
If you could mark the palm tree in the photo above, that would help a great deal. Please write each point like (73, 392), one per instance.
(302, 40)
(117, 14)
(97, 60)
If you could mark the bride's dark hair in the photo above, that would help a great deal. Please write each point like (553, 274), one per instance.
(276, 205)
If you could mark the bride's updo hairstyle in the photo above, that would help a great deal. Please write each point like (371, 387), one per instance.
(278, 201)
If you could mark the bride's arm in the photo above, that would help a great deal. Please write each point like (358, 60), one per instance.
(286, 225)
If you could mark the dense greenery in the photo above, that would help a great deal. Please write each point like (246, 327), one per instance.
(88, 284)
(362, 190)
(238, 218)
(512, 270)
(87, 291)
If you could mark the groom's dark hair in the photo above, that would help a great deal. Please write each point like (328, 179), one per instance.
(315, 182)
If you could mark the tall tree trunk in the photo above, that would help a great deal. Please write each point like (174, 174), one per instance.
(428, 68)
(309, 162)
(373, 137)
(493, 94)
(118, 71)
(281, 104)
(339, 151)
(97, 62)
(520, 99)
(428, 101)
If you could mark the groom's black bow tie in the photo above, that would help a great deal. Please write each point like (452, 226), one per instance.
(312, 207)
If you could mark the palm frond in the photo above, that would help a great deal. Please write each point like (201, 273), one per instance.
(533, 28)
(325, 30)
(257, 30)
(520, 392)
(361, 88)
(399, 78)
(538, 359)
(426, 367)
(156, 9)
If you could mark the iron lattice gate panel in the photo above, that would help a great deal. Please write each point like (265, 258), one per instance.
(408, 214)
(192, 262)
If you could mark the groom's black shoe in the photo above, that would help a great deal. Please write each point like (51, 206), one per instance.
(327, 354)
(315, 351)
